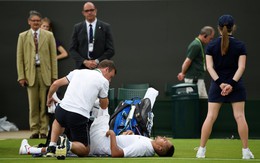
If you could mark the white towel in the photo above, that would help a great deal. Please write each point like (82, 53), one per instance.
(151, 93)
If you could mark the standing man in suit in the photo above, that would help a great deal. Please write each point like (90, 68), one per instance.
(36, 69)
(89, 47)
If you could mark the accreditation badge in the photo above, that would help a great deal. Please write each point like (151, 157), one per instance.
(90, 47)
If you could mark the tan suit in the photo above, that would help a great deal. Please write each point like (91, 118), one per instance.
(39, 78)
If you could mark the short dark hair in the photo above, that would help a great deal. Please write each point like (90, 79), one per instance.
(107, 63)
(168, 153)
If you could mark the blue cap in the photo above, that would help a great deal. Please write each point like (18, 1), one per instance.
(226, 20)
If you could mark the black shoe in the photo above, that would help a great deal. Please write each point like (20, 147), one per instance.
(62, 147)
(42, 145)
(51, 151)
(43, 136)
(34, 136)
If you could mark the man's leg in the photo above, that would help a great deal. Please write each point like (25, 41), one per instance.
(79, 134)
(33, 110)
(26, 149)
(44, 118)
(57, 130)
(80, 149)
(202, 89)
(97, 134)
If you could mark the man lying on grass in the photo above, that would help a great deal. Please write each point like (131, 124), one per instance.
(104, 142)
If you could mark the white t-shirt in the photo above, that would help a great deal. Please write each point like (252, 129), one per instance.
(84, 88)
(132, 145)
(135, 145)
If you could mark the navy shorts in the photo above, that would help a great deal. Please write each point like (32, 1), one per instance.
(75, 124)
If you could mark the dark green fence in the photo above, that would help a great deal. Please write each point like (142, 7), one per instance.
(224, 127)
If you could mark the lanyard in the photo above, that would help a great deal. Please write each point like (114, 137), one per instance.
(203, 55)
(98, 70)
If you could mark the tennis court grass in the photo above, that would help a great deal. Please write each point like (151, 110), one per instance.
(218, 150)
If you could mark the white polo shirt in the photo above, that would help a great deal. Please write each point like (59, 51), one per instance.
(84, 88)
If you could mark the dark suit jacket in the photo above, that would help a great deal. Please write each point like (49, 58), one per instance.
(103, 44)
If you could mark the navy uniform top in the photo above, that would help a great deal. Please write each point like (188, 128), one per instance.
(226, 67)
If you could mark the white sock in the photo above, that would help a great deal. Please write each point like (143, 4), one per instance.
(53, 144)
(70, 145)
(35, 150)
(202, 147)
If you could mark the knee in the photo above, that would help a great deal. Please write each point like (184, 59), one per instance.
(84, 152)
(211, 118)
(239, 117)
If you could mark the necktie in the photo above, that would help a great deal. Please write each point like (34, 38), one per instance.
(37, 58)
(90, 33)
(35, 42)
(90, 42)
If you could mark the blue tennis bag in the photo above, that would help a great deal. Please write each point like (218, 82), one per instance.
(135, 114)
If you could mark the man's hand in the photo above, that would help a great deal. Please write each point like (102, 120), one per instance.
(109, 133)
(128, 132)
(180, 76)
(91, 64)
(23, 82)
(50, 101)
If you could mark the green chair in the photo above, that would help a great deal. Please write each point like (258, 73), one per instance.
(111, 93)
(136, 86)
(127, 94)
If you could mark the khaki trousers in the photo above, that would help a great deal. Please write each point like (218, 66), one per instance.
(37, 94)
(201, 87)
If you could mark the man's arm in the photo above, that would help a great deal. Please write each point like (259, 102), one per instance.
(185, 66)
(109, 50)
(54, 65)
(128, 132)
(103, 103)
(74, 46)
(20, 63)
(54, 87)
(115, 150)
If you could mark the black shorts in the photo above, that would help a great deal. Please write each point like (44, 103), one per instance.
(76, 124)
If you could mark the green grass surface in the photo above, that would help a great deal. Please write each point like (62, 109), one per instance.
(218, 150)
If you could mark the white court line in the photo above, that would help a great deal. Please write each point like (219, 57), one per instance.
(137, 158)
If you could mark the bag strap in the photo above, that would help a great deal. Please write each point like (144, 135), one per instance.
(140, 120)
(120, 107)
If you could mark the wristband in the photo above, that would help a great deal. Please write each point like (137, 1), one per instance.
(218, 81)
(232, 82)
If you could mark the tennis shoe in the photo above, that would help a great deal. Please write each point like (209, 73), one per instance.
(62, 147)
(247, 154)
(201, 152)
(24, 148)
(50, 151)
